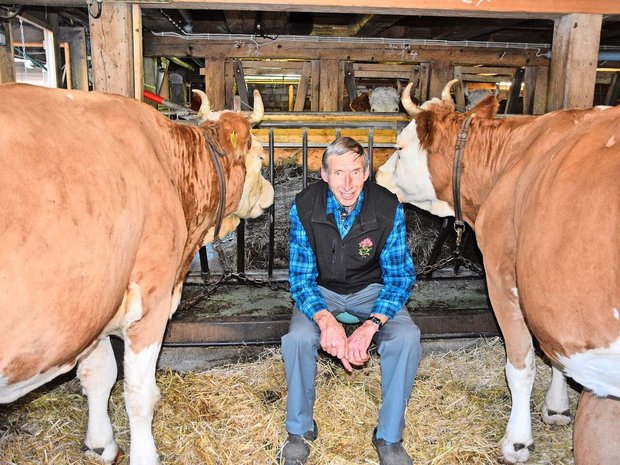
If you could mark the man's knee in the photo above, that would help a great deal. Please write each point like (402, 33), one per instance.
(295, 341)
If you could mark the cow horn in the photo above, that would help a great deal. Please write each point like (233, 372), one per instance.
(259, 109)
(411, 108)
(205, 106)
(445, 93)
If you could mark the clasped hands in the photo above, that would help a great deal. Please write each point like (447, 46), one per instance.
(352, 351)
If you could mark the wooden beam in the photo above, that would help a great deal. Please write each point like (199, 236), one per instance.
(329, 85)
(215, 83)
(425, 81)
(514, 8)
(573, 62)
(373, 25)
(138, 60)
(540, 90)
(315, 80)
(75, 37)
(242, 89)
(240, 22)
(302, 90)
(7, 62)
(515, 90)
(349, 80)
(441, 73)
(613, 92)
(111, 38)
(312, 49)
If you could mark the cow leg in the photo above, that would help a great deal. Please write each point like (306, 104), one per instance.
(142, 345)
(520, 362)
(97, 374)
(555, 410)
(596, 437)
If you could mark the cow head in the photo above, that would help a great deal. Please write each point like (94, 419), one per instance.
(425, 145)
(384, 99)
(257, 193)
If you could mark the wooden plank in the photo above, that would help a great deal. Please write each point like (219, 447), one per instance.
(573, 62)
(441, 73)
(315, 81)
(271, 67)
(7, 62)
(75, 37)
(324, 135)
(138, 60)
(529, 89)
(493, 79)
(229, 78)
(111, 38)
(302, 89)
(215, 83)
(613, 92)
(329, 83)
(312, 50)
(425, 81)
(379, 67)
(328, 118)
(540, 90)
(501, 70)
(459, 89)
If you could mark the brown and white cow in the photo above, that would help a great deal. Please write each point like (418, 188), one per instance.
(543, 196)
(104, 202)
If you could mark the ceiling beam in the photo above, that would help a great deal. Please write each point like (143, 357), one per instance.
(550, 9)
(372, 25)
(240, 22)
(461, 30)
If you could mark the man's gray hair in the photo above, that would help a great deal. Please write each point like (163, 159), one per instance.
(344, 145)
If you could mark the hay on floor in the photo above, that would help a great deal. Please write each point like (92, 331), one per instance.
(235, 415)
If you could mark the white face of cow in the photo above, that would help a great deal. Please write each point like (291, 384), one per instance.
(257, 194)
(384, 99)
(406, 174)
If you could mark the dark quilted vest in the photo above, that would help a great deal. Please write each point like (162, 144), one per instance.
(350, 264)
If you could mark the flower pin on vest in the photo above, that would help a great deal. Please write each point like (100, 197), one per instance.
(365, 247)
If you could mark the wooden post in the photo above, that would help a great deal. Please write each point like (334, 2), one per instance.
(515, 90)
(572, 73)
(302, 90)
(441, 73)
(242, 89)
(111, 38)
(215, 83)
(349, 80)
(138, 60)
(75, 37)
(7, 63)
(425, 81)
(328, 99)
(459, 89)
(315, 80)
(613, 92)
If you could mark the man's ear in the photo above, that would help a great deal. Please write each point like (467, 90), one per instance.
(366, 173)
(324, 174)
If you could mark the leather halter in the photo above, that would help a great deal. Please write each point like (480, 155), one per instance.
(219, 216)
(461, 141)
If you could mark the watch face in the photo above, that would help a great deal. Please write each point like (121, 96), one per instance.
(376, 321)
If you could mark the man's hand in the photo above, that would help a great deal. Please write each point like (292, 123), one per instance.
(358, 343)
(333, 337)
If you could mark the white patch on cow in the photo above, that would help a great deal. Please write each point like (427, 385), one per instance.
(133, 304)
(596, 369)
(515, 292)
(70, 96)
(176, 298)
(519, 428)
(12, 392)
(406, 174)
(611, 142)
(141, 396)
(616, 314)
(384, 99)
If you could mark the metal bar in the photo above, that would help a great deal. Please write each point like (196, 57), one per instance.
(204, 260)
(272, 209)
(371, 141)
(304, 157)
(241, 246)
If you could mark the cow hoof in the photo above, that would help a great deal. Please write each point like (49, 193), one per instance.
(549, 417)
(517, 452)
(109, 455)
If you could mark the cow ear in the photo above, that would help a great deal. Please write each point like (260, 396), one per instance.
(234, 134)
(486, 108)
(424, 127)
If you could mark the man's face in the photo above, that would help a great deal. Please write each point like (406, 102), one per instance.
(345, 176)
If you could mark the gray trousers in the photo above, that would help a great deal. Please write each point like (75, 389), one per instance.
(398, 344)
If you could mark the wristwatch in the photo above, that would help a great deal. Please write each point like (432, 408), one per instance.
(375, 321)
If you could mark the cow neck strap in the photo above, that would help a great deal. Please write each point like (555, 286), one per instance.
(215, 156)
(461, 141)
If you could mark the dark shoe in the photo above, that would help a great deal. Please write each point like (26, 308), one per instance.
(296, 449)
(390, 453)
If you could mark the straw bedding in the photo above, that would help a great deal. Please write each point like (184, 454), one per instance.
(235, 415)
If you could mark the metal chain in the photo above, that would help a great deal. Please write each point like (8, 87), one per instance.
(455, 257)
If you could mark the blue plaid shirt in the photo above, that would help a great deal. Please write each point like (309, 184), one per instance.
(396, 262)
